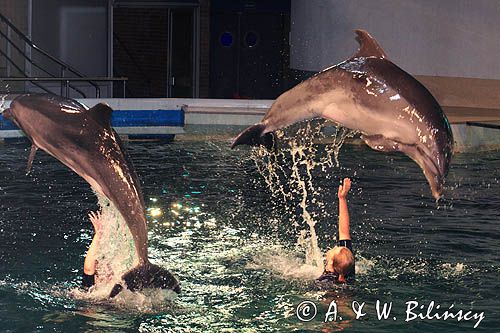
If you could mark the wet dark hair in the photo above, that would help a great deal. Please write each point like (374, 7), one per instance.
(343, 262)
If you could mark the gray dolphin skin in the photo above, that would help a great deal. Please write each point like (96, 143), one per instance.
(83, 140)
(370, 94)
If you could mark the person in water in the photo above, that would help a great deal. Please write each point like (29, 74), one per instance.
(340, 259)
(90, 263)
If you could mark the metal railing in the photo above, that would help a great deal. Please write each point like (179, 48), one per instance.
(65, 69)
(66, 81)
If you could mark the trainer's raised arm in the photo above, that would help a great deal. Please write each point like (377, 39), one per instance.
(344, 228)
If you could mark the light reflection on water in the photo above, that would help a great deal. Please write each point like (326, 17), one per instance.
(236, 257)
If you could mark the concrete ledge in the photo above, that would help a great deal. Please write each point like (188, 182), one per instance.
(224, 118)
(221, 119)
(462, 115)
(157, 130)
(8, 134)
(463, 92)
(220, 110)
(470, 138)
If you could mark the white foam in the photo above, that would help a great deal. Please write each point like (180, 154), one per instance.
(285, 264)
(363, 265)
(144, 301)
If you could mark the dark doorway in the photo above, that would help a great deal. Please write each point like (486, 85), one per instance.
(154, 47)
(249, 48)
(182, 53)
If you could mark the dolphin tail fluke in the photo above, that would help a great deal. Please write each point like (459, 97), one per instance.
(255, 136)
(148, 276)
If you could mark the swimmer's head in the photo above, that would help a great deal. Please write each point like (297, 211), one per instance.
(340, 260)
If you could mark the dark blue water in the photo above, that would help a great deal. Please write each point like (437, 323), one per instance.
(219, 229)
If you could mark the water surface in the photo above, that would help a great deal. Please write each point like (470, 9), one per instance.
(216, 225)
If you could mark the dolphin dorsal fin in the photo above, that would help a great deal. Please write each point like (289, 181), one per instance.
(368, 46)
(101, 113)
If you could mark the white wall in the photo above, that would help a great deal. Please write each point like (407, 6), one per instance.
(426, 37)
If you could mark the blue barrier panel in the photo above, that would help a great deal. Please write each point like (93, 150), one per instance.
(129, 118)
(6, 124)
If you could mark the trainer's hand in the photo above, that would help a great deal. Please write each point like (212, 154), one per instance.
(95, 218)
(344, 189)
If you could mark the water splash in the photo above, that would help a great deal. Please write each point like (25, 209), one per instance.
(339, 138)
(288, 173)
(2, 103)
(289, 264)
(116, 249)
(284, 263)
(115, 256)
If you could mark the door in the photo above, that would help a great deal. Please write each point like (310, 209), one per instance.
(140, 50)
(248, 54)
(182, 54)
(155, 48)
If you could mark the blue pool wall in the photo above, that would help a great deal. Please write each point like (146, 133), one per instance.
(138, 119)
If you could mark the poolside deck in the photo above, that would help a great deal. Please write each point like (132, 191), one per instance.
(471, 101)
(464, 115)
(471, 105)
(456, 115)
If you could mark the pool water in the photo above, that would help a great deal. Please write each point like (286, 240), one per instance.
(233, 244)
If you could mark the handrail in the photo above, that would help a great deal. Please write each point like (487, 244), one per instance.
(20, 70)
(58, 61)
(33, 63)
(67, 80)
(38, 78)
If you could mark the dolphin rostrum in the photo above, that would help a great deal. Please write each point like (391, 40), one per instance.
(84, 141)
(370, 94)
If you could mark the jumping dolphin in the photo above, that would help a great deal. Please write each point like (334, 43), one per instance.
(370, 94)
(84, 141)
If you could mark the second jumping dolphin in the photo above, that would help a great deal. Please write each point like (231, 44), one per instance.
(370, 94)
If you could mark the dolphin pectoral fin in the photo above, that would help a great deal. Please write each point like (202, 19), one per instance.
(148, 275)
(426, 163)
(31, 157)
(381, 143)
(255, 136)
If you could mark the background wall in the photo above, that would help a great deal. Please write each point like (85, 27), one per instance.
(75, 31)
(17, 13)
(425, 37)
